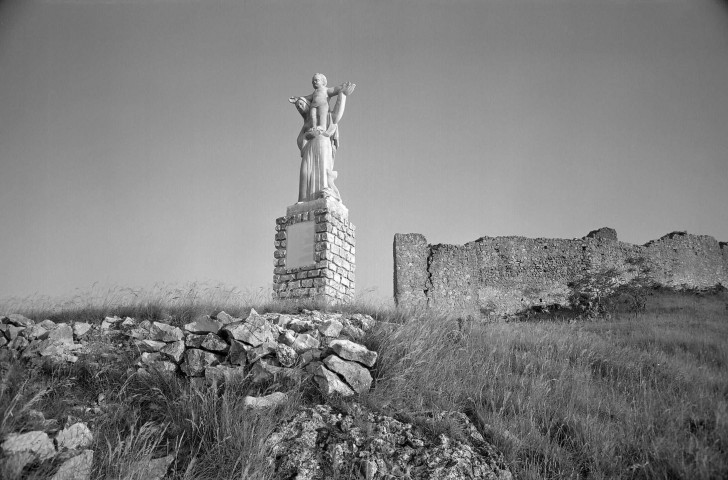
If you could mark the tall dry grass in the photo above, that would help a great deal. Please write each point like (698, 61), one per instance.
(639, 396)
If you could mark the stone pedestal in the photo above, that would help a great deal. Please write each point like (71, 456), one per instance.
(314, 256)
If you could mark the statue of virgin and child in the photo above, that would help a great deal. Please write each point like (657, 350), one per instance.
(319, 138)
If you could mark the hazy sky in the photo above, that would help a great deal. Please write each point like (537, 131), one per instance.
(147, 142)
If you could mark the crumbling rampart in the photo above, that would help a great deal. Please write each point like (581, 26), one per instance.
(506, 275)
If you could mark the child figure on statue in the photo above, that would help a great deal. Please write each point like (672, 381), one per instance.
(319, 101)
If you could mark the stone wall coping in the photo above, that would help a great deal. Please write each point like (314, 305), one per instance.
(327, 202)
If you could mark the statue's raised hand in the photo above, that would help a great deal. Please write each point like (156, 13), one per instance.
(347, 88)
(292, 99)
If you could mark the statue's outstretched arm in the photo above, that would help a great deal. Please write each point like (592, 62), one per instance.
(338, 110)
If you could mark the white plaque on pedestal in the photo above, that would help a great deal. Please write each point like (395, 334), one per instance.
(300, 245)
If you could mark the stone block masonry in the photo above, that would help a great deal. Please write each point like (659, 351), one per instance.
(315, 253)
(506, 275)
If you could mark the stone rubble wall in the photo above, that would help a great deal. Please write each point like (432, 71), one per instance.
(506, 275)
(323, 347)
(332, 276)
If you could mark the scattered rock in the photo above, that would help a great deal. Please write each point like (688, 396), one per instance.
(35, 332)
(355, 375)
(109, 321)
(149, 345)
(308, 356)
(165, 333)
(174, 351)
(139, 333)
(263, 350)
(330, 383)
(81, 328)
(48, 324)
(63, 333)
(287, 337)
(148, 358)
(194, 340)
(252, 334)
(305, 342)
(196, 360)
(320, 442)
(330, 328)
(19, 320)
(128, 323)
(283, 320)
(214, 343)
(35, 443)
(287, 356)
(220, 374)
(364, 322)
(203, 325)
(300, 325)
(225, 318)
(262, 372)
(352, 331)
(272, 400)
(18, 344)
(76, 436)
(76, 468)
(12, 331)
(349, 350)
(238, 353)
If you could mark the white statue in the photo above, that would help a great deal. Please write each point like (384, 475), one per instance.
(319, 138)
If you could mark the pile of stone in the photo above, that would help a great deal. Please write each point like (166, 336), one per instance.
(24, 337)
(320, 442)
(271, 347)
(65, 451)
(69, 447)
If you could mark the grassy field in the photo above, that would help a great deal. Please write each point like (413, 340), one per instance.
(638, 395)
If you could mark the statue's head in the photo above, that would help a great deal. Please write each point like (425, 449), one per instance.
(302, 103)
(319, 80)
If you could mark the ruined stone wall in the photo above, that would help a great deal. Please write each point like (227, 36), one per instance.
(505, 275)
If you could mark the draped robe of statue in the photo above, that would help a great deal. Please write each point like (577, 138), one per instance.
(318, 150)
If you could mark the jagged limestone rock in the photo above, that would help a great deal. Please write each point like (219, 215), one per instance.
(305, 342)
(356, 376)
(330, 383)
(195, 361)
(76, 436)
(268, 401)
(163, 332)
(321, 442)
(203, 325)
(214, 343)
(149, 345)
(238, 354)
(35, 443)
(19, 320)
(174, 351)
(349, 350)
(287, 356)
(253, 334)
(81, 328)
(330, 328)
(265, 349)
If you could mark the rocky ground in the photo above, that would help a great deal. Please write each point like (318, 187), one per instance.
(311, 348)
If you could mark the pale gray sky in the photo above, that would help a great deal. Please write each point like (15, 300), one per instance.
(147, 142)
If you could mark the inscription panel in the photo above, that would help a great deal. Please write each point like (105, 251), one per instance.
(300, 245)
